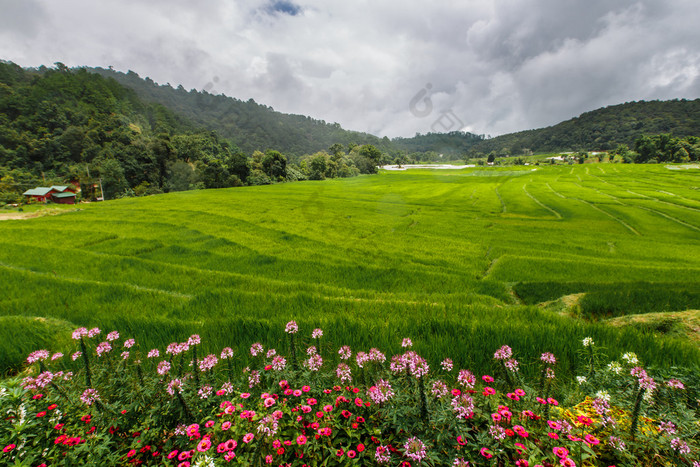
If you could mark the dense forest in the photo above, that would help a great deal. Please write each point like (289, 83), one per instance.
(59, 125)
(251, 126)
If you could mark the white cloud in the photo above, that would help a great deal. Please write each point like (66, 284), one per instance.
(498, 65)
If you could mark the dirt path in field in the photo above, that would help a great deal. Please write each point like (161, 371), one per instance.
(5, 216)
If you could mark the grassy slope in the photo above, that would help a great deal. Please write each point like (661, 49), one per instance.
(426, 254)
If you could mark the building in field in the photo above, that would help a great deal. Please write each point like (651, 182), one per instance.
(62, 194)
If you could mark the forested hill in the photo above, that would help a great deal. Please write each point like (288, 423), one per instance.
(601, 129)
(58, 125)
(251, 126)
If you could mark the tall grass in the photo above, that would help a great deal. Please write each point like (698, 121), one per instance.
(430, 255)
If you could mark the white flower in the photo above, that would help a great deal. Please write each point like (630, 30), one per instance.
(615, 367)
(630, 358)
(588, 342)
(581, 379)
(603, 395)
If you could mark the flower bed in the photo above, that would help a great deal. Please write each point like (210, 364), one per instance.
(111, 403)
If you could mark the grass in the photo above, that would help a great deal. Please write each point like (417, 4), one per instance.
(455, 259)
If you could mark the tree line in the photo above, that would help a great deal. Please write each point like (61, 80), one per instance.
(59, 125)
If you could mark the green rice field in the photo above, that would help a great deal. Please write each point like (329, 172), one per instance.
(458, 260)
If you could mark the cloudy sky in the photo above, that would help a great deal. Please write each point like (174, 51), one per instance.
(386, 67)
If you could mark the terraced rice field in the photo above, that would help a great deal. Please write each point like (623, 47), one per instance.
(456, 260)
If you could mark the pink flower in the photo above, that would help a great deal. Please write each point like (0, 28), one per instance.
(248, 438)
(226, 425)
(567, 462)
(204, 445)
(591, 440)
(487, 379)
(485, 452)
(561, 452)
(301, 440)
(245, 395)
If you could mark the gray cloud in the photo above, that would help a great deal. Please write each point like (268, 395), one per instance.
(498, 65)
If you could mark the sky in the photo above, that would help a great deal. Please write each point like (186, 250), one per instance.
(390, 68)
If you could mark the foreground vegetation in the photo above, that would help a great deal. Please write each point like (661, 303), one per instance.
(456, 259)
(116, 402)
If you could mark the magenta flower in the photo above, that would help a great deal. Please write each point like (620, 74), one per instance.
(103, 347)
(204, 445)
(345, 352)
(89, 396)
(291, 328)
(504, 353)
(415, 449)
(38, 355)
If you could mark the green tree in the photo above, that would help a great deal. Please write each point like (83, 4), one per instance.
(275, 165)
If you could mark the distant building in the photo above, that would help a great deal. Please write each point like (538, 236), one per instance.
(62, 194)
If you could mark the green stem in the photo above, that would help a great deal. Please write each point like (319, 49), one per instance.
(635, 413)
(86, 362)
(195, 366)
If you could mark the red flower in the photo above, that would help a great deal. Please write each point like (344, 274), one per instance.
(52, 406)
(131, 453)
(8, 448)
(358, 402)
(92, 428)
(360, 447)
(339, 452)
(41, 414)
(60, 439)
(59, 426)
(360, 419)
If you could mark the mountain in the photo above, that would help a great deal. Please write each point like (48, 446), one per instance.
(598, 130)
(249, 125)
(59, 125)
